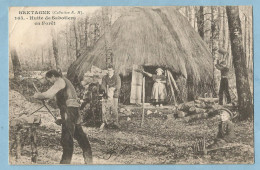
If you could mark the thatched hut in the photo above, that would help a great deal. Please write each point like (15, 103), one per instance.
(153, 37)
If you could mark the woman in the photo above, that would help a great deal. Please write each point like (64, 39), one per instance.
(159, 93)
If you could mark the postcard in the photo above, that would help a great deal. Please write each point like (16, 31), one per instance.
(129, 85)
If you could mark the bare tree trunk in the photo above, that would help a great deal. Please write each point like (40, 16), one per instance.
(67, 44)
(207, 26)
(245, 102)
(245, 38)
(192, 16)
(76, 40)
(215, 47)
(96, 33)
(16, 63)
(187, 12)
(250, 63)
(55, 49)
(86, 32)
(107, 34)
(220, 21)
(200, 21)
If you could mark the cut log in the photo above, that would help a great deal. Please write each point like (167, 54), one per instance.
(180, 106)
(186, 106)
(197, 101)
(192, 109)
(200, 110)
(208, 100)
(181, 114)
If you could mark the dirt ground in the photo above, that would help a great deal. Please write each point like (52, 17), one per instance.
(161, 140)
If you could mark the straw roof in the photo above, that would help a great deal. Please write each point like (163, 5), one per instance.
(151, 37)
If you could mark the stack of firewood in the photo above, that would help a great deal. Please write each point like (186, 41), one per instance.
(199, 108)
(95, 75)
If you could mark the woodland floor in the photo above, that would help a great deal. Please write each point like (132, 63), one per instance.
(159, 141)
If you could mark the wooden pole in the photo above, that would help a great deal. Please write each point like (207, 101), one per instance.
(173, 95)
(173, 81)
(143, 91)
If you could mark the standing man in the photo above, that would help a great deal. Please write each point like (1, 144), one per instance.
(111, 84)
(224, 88)
(66, 99)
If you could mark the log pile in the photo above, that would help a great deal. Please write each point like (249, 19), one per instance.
(200, 108)
(95, 75)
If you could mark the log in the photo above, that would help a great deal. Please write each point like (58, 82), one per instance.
(208, 100)
(192, 109)
(181, 114)
(180, 106)
(197, 101)
(186, 106)
(200, 110)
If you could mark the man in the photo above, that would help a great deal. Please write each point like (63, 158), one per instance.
(223, 82)
(111, 84)
(66, 99)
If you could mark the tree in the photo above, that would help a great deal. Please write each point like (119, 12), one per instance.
(16, 63)
(107, 34)
(86, 31)
(55, 49)
(245, 102)
(215, 43)
(76, 40)
(200, 21)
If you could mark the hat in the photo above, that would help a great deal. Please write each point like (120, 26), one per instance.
(227, 111)
(159, 69)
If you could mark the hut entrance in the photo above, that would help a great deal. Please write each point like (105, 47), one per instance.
(132, 86)
(149, 83)
(137, 78)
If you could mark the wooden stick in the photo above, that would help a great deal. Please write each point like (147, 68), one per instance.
(223, 147)
(33, 138)
(173, 95)
(173, 81)
(142, 123)
(18, 144)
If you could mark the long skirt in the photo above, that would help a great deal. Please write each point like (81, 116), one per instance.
(159, 93)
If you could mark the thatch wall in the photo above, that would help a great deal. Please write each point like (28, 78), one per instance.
(152, 37)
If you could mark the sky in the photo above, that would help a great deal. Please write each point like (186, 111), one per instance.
(24, 34)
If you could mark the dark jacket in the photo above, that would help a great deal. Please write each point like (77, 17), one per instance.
(223, 69)
(114, 81)
(226, 131)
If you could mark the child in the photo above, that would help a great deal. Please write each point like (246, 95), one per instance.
(225, 130)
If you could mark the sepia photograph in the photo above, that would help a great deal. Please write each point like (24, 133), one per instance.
(99, 85)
